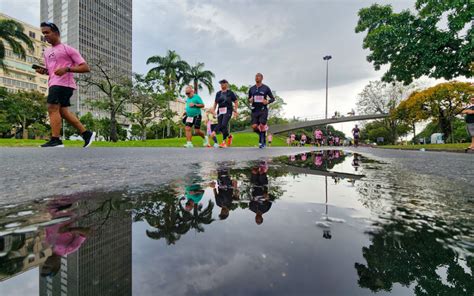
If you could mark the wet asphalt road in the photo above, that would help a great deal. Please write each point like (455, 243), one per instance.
(31, 173)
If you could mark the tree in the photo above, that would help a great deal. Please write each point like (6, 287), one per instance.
(415, 44)
(149, 99)
(172, 67)
(110, 82)
(12, 33)
(381, 97)
(379, 129)
(22, 109)
(442, 103)
(199, 77)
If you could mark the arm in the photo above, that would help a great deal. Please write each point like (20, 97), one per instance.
(213, 110)
(250, 96)
(272, 98)
(467, 111)
(236, 105)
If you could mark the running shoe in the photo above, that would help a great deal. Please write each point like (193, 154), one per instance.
(88, 137)
(188, 145)
(229, 140)
(223, 145)
(53, 143)
(216, 145)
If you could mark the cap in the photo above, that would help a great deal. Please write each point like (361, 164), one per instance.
(224, 81)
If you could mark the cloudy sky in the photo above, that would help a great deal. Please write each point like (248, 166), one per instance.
(283, 39)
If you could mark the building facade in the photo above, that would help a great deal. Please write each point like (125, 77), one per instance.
(20, 76)
(100, 30)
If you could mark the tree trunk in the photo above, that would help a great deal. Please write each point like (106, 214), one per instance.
(113, 128)
(143, 126)
(414, 134)
(25, 130)
(445, 126)
(196, 86)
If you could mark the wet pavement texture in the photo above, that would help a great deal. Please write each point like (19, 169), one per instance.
(317, 223)
(29, 173)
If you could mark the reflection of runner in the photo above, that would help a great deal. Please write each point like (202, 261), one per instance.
(260, 202)
(356, 133)
(194, 194)
(318, 137)
(63, 237)
(318, 159)
(355, 161)
(225, 192)
(227, 104)
(258, 98)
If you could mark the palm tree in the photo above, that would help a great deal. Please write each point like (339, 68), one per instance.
(172, 67)
(199, 76)
(12, 33)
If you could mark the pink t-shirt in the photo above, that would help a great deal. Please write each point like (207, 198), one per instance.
(63, 243)
(318, 134)
(60, 56)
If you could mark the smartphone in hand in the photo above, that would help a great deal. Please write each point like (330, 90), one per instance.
(39, 69)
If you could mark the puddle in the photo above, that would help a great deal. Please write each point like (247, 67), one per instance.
(324, 223)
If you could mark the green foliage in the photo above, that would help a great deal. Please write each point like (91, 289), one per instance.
(199, 77)
(12, 32)
(378, 128)
(21, 110)
(172, 68)
(415, 44)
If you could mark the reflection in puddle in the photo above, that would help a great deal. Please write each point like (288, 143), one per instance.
(289, 226)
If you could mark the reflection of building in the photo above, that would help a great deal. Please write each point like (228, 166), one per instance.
(100, 30)
(20, 75)
(21, 252)
(103, 264)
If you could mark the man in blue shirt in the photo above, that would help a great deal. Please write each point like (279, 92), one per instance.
(193, 117)
(258, 98)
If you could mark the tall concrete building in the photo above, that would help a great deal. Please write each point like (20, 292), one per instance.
(20, 76)
(103, 263)
(100, 30)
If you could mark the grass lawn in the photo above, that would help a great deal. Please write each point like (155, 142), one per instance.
(445, 147)
(240, 140)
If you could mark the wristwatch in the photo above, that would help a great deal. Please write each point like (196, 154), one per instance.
(68, 69)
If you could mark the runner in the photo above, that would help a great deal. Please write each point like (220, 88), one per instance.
(211, 123)
(292, 139)
(355, 133)
(330, 138)
(336, 141)
(227, 104)
(303, 140)
(61, 62)
(193, 117)
(469, 111)
(269, 139)
(318, 137)
(258, 99)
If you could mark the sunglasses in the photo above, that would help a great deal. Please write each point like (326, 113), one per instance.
(51, 25)
(188, 93)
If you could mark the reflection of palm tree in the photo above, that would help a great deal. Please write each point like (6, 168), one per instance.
(195, 219)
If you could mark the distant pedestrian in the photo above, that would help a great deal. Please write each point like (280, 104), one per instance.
(356, 134)
(270, 139)
(469, 111)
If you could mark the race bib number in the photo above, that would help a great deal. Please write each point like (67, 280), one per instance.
(223, 110)
(189, 119)
(258, 99)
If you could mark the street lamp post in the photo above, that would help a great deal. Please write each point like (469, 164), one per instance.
(327, 58)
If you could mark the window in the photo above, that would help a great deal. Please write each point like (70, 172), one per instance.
(32, 35)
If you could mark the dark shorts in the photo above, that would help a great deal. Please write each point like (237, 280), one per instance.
(470, 129)
(223, 123)
(60, 95)
(260, 117)
(196, 122)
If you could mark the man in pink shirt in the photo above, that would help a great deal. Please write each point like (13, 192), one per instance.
(61, 62)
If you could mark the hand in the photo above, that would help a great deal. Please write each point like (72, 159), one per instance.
(191, 105)
(61, 71)
(251, 100)
(41, 71)
(265, 101)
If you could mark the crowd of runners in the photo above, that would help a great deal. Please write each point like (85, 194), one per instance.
(62, 61)
(320, 139)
